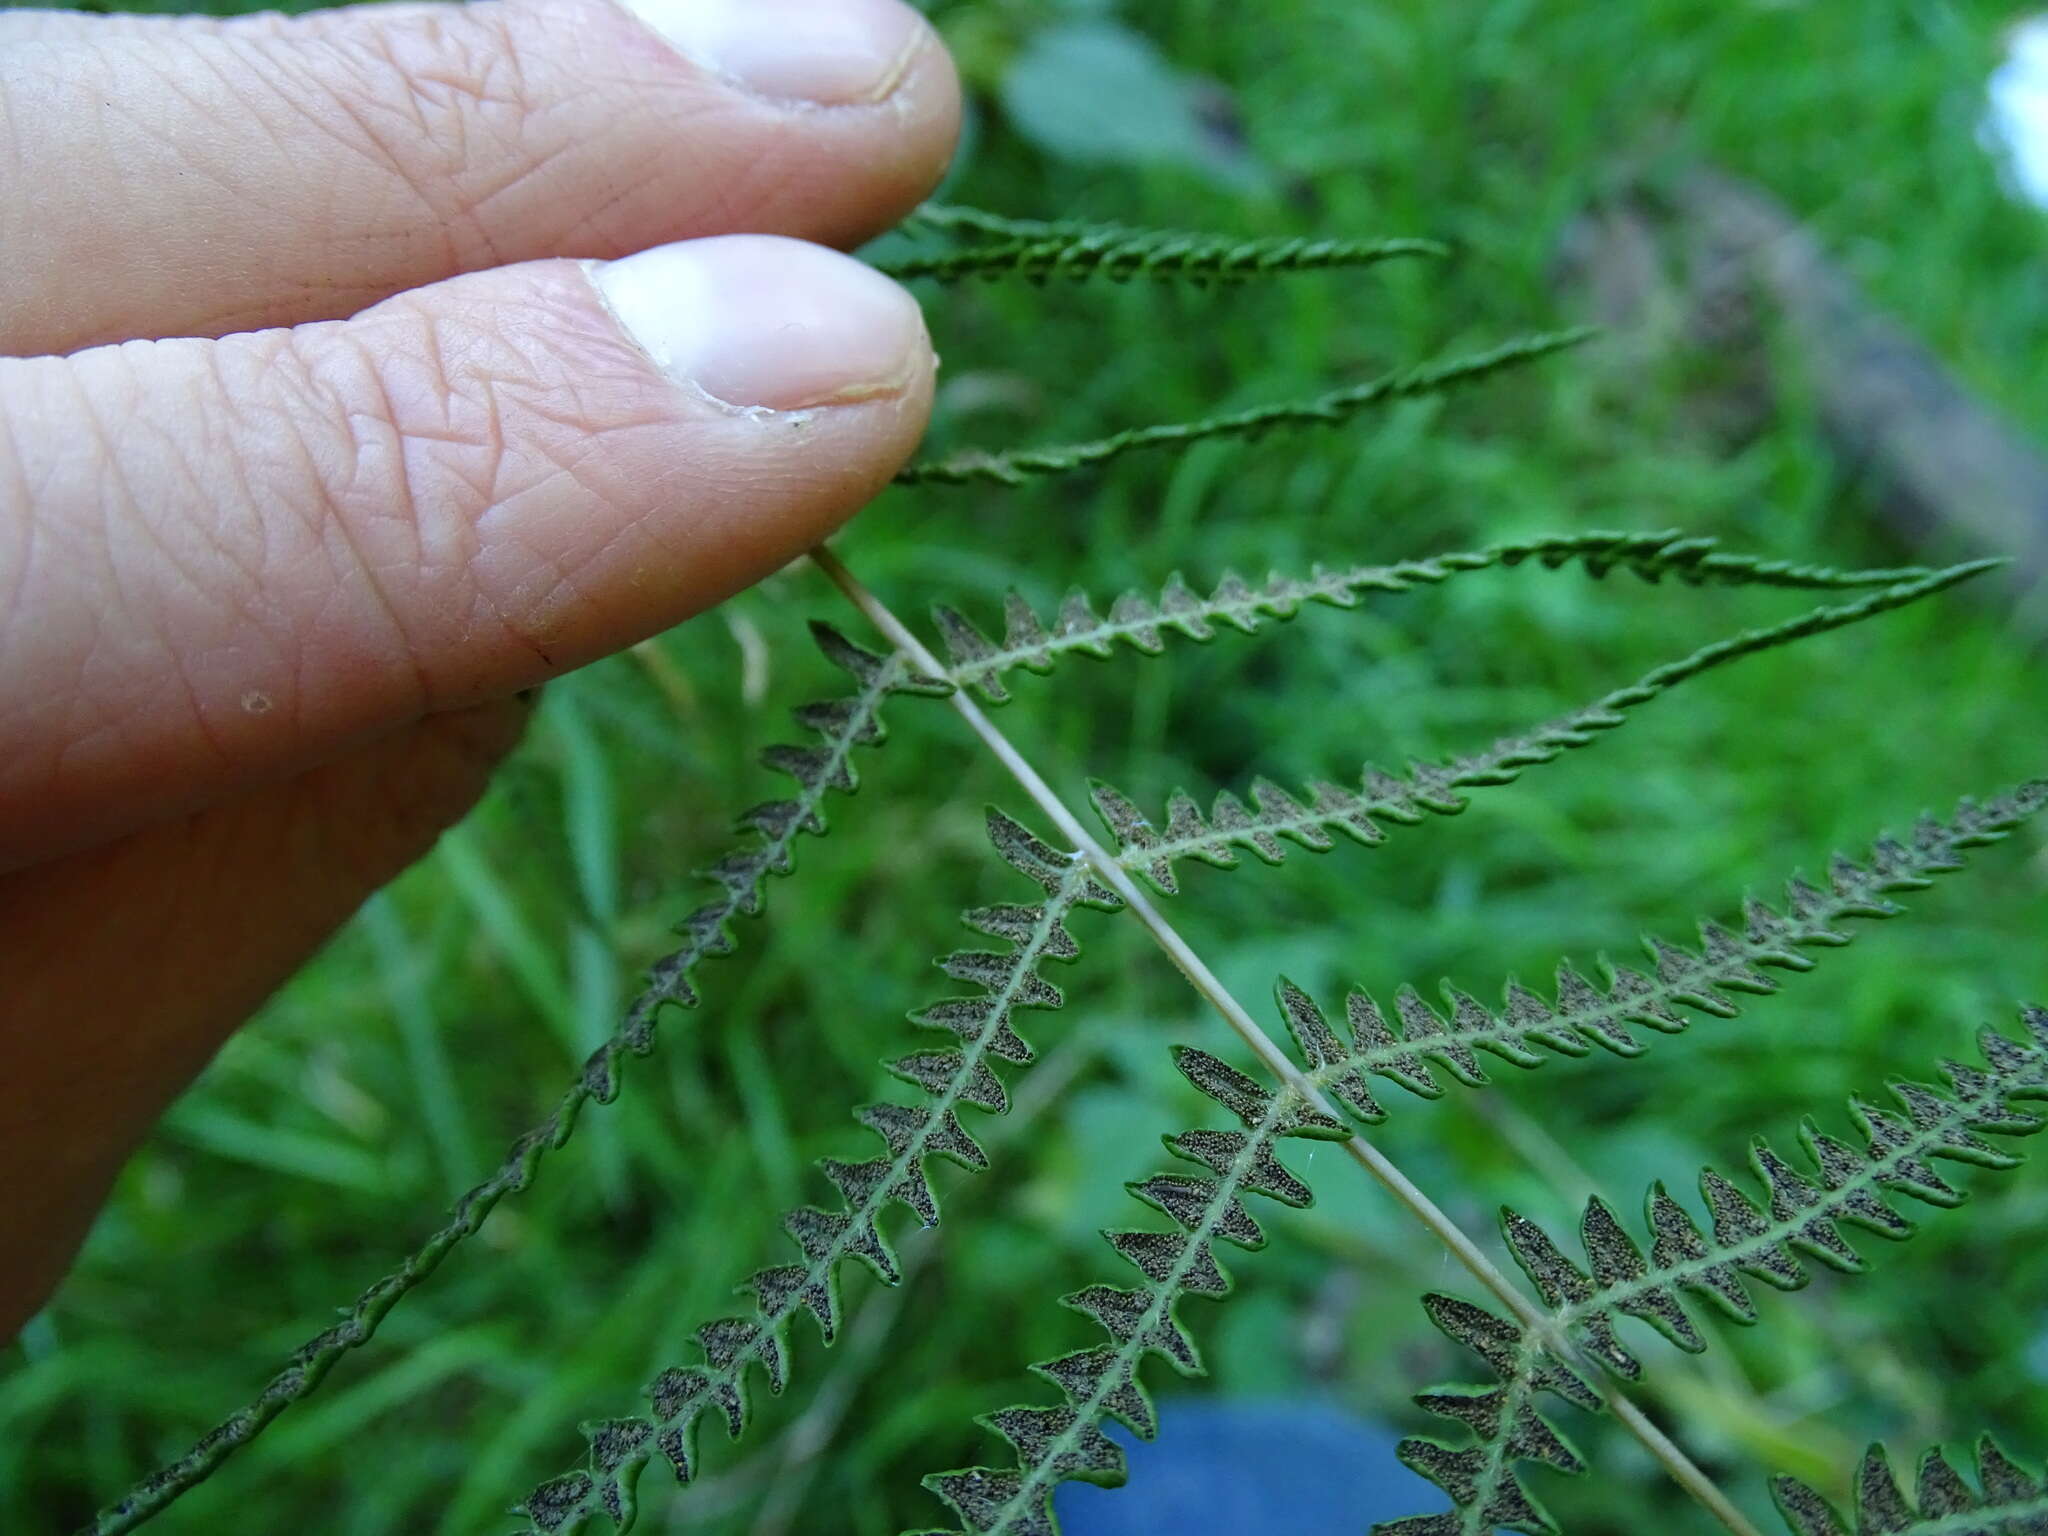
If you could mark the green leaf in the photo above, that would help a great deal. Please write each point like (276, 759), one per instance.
(1097, 93)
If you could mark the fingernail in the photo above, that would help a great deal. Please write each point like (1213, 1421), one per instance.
(830, 53)
(760, 322)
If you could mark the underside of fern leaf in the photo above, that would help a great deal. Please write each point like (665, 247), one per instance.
(1276, 818)
(772, 830)
(1055, 1444)
(1144, 622)
(951, 1078)
(1021, 465)
(1800, 1214)
(1065, 1441)
(1401, 1046)
(2007, 1501)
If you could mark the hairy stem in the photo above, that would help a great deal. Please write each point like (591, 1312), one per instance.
(1418, 1204)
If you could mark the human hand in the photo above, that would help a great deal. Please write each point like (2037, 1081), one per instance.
(272, 588)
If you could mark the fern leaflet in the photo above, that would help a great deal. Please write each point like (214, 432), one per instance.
(950, 1078)
(1020, 465)
(1275, 815)
(1039, 251)
(1144, 623)
(1586, 1015)
(1800, 1214)
(1066, 1441)
(773, 829)
(2012, 1501)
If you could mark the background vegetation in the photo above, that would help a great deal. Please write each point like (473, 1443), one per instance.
(328, 1136)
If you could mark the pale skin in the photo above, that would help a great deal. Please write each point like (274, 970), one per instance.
(327, 435)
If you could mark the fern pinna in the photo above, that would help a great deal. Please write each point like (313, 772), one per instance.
(952, 1078)
(1801, 1213)
(1564, 1342)
(2008, 1500)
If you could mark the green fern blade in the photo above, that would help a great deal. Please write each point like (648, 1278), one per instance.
(951, 1079)
(1145, 623)
(1040, 251)
(774, 829)
(1584, 1014)
(1800, 1215)
(1065, 1441)
(2007, 1501)
(1021, 465)
(1149, 850)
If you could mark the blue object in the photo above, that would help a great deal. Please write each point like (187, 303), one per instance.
(1251, 1469)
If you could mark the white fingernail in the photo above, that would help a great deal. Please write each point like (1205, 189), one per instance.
(826, 52)
(760, 322)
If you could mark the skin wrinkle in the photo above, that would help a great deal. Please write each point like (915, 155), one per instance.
(178, 82)
(120, 508)
(403, 503)
(565, 591)
(517, 180)
(371, 146)
(221, 430)
(446, 118)
(294, 87)
(252, 571)
(235, 312)
(493, 381)
(224, 427)
(10, 130)
(326, 524)
(19, 524)
(35, 713)
(588, 232)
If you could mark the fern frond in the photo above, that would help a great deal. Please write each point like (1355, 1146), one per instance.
(1020, 465)
(2008, 1501)
(1585, 1014)
(1055, 1444)
(772, 830)
(1144, 623)
(1801, 1213)
(1276, 817)
(1038, 251)
(951, 1078)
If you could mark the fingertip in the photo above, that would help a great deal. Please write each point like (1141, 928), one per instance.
(847, 70)
(824, 53)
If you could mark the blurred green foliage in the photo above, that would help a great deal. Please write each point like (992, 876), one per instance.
(325, 1139)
